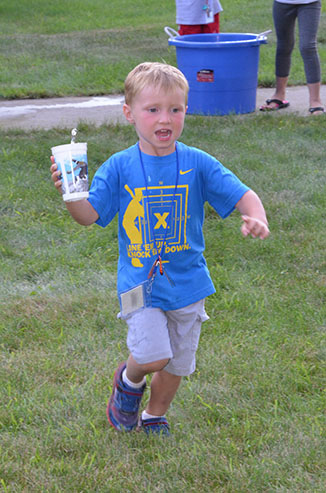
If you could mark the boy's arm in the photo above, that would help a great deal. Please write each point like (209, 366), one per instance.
(81, 211)
(253, 215)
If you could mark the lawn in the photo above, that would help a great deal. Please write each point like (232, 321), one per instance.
(251, 419)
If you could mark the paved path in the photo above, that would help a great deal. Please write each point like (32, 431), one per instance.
(29, 114)
(45, 114)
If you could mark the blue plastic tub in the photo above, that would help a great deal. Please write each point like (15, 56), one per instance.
(222, 71)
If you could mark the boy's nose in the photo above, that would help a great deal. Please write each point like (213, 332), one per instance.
(165, 116)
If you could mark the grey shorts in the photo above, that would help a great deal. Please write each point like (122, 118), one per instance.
(155, 334)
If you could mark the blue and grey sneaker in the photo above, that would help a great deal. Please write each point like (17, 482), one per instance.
(156, 426)
(123, 405)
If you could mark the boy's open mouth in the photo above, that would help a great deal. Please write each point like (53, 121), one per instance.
(163, 134)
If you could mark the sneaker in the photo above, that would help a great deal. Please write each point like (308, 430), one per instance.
(157, 426)
(123, 405)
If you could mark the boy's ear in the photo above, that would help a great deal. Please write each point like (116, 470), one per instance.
(128, 113)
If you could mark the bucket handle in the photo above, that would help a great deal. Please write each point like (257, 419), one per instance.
(172, 33)
(263, 34)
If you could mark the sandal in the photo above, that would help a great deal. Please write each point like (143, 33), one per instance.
(316, 108)
(280, 104)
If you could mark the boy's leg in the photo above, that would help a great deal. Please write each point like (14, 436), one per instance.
(136, 372)
(163, 389)
(169, 340)
(164, 386)
(128, 388)
(150, 350)
(184, 328)
(124, 402)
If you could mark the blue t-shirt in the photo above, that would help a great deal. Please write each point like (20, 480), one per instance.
(119, 187)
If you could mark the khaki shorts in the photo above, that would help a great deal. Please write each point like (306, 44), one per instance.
(155, 334)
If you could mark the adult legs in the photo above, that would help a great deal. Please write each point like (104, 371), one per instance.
(308, 22)
(284, 16)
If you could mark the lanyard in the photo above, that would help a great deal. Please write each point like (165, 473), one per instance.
(160, 253)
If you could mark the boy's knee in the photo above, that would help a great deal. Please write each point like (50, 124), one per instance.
(154, 365)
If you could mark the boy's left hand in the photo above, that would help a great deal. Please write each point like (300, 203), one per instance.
(254, 227)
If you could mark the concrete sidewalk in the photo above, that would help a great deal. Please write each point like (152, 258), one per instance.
(28, 114)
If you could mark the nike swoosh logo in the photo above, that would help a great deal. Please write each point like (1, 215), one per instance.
(186, 171)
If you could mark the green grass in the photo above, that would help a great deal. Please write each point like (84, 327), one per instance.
(252, 416)
(86, 48)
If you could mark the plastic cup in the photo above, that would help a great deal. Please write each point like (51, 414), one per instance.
(71, 159)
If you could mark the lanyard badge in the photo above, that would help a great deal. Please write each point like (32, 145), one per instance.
(135, 299)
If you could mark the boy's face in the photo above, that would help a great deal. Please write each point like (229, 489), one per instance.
(158, 117)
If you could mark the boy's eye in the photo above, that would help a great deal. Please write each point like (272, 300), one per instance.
(152, 110)
(175, 110)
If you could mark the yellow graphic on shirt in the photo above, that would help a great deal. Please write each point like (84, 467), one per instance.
(134, 211)
(161, 220)
(168, 212)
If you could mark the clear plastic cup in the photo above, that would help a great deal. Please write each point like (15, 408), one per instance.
(71, 159)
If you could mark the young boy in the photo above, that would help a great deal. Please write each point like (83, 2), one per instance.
(158, 188)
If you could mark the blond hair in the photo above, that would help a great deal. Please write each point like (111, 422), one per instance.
(160, 75)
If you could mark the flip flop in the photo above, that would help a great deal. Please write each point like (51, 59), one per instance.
(280, 104)
(316, 108)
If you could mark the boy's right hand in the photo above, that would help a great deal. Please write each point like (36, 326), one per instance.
(56, 175)
(82, 211)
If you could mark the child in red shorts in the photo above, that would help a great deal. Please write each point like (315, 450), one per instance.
(198, 16)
